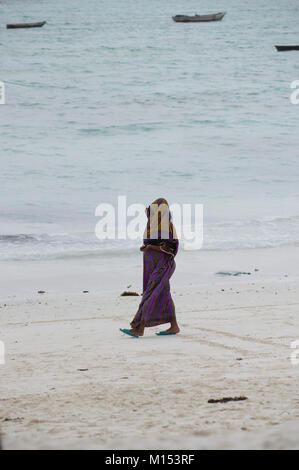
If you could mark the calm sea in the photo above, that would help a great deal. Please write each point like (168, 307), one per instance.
(113, 98)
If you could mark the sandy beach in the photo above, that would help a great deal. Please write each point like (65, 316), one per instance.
(106, 109)
(71, 380)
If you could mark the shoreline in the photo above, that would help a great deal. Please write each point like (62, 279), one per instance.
(23, 279)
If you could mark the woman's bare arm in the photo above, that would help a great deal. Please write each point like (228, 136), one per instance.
(153, 247)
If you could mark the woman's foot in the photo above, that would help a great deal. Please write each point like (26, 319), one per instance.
(174, 329)
(137, 331)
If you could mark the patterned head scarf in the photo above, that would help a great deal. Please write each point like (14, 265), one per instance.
(159, 225)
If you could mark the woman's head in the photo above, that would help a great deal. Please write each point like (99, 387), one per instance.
(156, 205)
(159, 225)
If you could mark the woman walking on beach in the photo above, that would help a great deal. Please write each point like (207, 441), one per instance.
(160, 246)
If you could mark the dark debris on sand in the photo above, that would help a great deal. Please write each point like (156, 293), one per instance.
(226, 399)
(127, 293)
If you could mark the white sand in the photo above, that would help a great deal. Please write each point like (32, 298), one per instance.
(150, 392)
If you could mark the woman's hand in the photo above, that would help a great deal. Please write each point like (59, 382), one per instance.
(144, 247)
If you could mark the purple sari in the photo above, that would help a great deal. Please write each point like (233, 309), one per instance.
(156, 306)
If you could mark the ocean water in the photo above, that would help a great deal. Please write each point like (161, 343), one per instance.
(113, 98)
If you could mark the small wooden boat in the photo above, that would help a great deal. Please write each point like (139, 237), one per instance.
(39, 24)
(198, 18)
(287, 48)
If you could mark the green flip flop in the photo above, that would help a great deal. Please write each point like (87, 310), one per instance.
(164, 333)
(128, 332)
